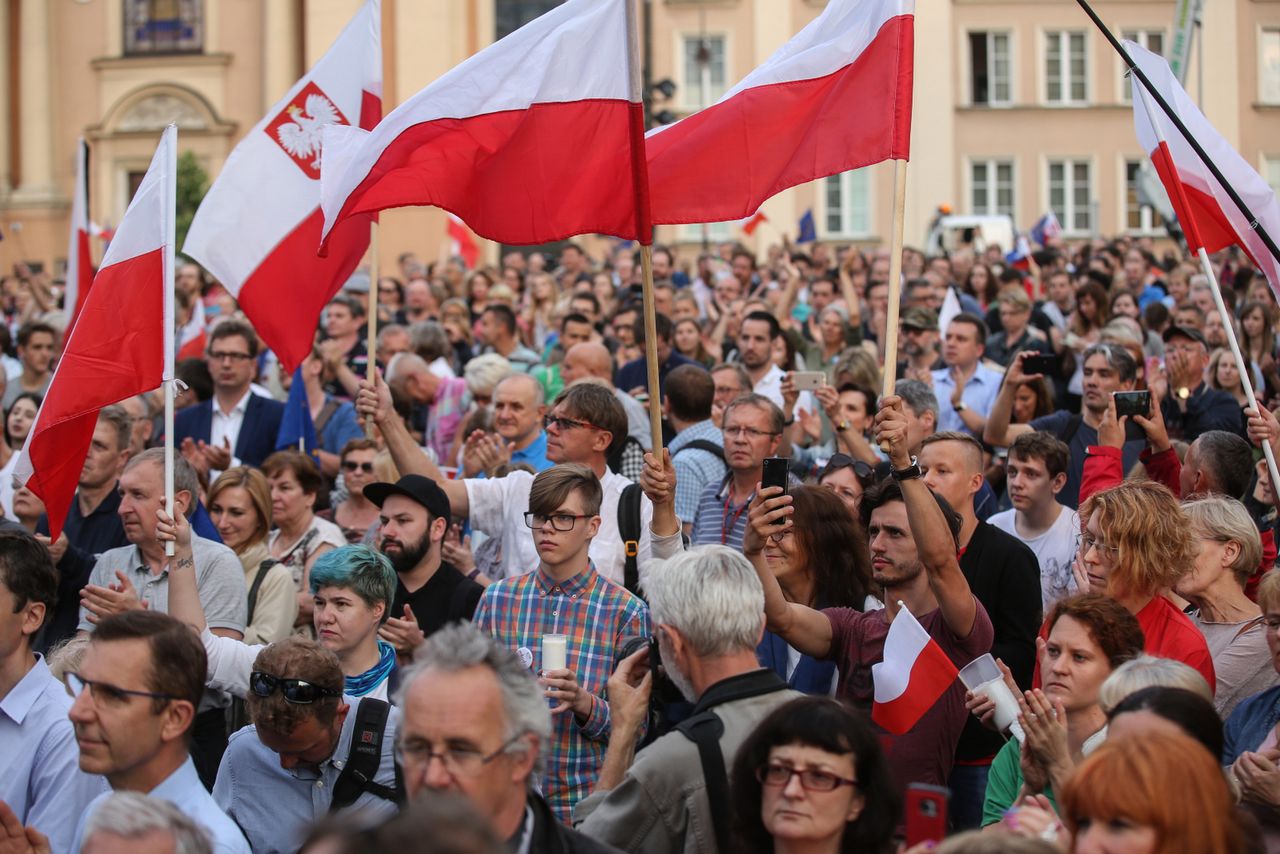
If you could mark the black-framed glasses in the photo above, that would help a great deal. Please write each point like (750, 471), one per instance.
(565, 423)
(353, 466)
(813, 780)
(467, 761)
(106, 693)
(223, 356)
(296, 691)
(560, 521)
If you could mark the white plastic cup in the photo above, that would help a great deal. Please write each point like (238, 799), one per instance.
(555, 652)
(983, 677)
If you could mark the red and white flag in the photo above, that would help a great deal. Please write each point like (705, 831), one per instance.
(194, 333)
(121, 345)
(462, 243)
(79, 261)
(533, 139)
(835, 97)
(258, 227)
(1208, 216)
(751, 223)
(913, 675)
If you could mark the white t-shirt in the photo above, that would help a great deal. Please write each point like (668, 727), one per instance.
(1055, 549)
(498, 506)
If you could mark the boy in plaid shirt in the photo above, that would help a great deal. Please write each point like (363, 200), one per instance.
(565, 595)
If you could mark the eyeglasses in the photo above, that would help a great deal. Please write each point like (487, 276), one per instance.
(352, 465)
(104, 693)
(863, 471)
(565, 423)
(1088, 541)
(746, 432)
(779, 536)
(296, 691)
(223, 356)
(465, 761)
(813, 780)
(559, 521)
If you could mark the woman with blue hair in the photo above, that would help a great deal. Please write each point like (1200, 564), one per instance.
(353, 587)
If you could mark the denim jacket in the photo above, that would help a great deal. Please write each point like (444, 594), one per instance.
(1249, 724)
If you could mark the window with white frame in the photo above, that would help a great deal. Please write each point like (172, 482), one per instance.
(1271, 171)
(1269, 66)
(991, 187)
(1152, 40)
(1071, 194)
(1065, 68)
(990, 74)
(846, 202)
(714, 232)
(1138, 217)
(703, 66)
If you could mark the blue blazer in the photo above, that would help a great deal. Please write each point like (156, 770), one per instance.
(810, 676)
(257, 439)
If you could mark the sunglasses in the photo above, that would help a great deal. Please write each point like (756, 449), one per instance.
(352, 465)
(296, 691)
(865, 474)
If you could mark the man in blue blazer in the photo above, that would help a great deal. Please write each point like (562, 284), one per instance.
(235, 426)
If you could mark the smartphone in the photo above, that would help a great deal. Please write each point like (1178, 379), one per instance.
(655, 661)
(1039, 364)
(808, 380)
(1133, 403)
(926, 813)
(775, 472)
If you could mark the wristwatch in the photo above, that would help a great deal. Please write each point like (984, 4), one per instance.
(959, 407)
(1184, 393)
(911, 472)
(843, 426)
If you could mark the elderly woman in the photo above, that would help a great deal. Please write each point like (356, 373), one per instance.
(300, 536)
(812, 777)
(1230, 549)
(240, 508)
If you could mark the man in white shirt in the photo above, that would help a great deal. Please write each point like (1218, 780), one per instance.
(1037, 473)
(966, 388)
(756, 338)
(584, 424)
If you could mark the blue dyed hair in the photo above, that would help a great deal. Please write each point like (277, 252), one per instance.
(357, 568)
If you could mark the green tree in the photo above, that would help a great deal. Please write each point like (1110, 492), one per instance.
(193, 183)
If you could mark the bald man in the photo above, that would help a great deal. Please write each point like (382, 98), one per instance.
(445, 399)
(1005, 577)
(592, 359)
(519, 403)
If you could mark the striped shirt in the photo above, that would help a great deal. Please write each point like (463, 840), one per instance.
(719, 521)
(596, 615)
(695, 468)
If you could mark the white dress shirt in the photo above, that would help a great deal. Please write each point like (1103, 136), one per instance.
(225, 427)
(770, 386)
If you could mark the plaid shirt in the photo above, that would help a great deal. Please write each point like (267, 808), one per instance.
(596, 615)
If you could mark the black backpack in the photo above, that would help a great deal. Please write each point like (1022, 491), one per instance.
(364, 757)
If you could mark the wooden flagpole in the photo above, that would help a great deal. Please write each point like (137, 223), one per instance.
(890, 372)
(371, 342)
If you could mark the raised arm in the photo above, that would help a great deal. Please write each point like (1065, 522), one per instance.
(934, 544)
(799, 625)
(998, 431)
(374, 401)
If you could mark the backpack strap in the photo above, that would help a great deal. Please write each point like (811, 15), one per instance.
(701, 445)
(364, 757)
(705, 730)
(629, 532)
(326, 412)
(263, 569)
(1071, 427)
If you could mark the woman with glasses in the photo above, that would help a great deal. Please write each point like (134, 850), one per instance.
(848, 479)
(812, 777)
(821, 561)
(356, 515)
(239, 504)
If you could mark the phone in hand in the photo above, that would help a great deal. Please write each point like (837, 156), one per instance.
(926, 813)
(808, 380)
(775, 473)
(1039, 364)
(1133, 403)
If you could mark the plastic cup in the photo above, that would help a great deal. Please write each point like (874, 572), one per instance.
(982, 676)
(555, 652)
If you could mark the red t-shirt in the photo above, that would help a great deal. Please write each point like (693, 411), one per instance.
(927, 752)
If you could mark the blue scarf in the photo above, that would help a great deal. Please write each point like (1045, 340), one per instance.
(358, 686)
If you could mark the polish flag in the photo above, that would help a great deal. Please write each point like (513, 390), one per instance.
(121, 345)
(914, 675)
(835, 97)
(533, 139)
(750, 224)
(1208, 216)
(193, 336)
(462, 243)
(79, 261)
(259, 224)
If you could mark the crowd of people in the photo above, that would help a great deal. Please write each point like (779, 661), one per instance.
(484, 612)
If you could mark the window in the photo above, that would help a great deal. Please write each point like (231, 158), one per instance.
(989, 70)
(1137, 216)
(716, 232)
(1269, 67)
(847, 204)
(703, 66)
(1071, 194)
(163, 26)
(1152, 40)
(1271, 171)
(511, 15)
(991, 187)
(1065, 68)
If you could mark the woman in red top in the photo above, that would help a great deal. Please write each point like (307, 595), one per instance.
(1135, 545)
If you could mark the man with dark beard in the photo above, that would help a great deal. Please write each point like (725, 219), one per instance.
(430, 592)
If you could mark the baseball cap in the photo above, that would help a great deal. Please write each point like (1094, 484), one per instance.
(415, 487)
(1186, 332)
(919, 317)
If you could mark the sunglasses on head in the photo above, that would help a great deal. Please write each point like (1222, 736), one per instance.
(296, 691)
(352, 465)
(865, 474)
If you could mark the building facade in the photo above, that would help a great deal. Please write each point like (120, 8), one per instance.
(1020, 105)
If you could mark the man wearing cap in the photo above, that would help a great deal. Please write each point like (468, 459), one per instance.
(430, 592)
(1190, 407)
(919, 343)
